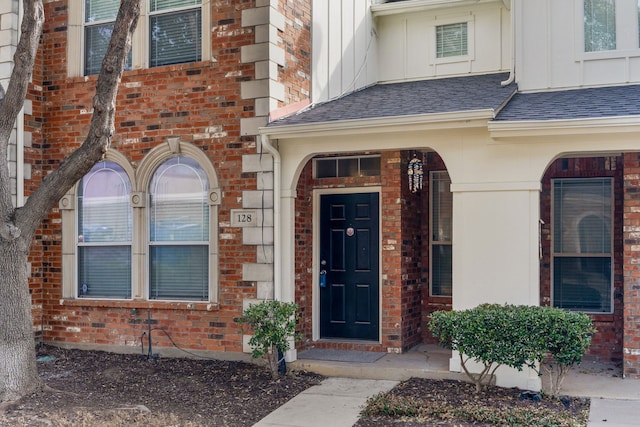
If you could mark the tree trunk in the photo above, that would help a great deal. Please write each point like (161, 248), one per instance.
(18, 371)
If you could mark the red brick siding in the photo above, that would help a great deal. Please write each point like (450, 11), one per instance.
(607, 342)
(296, 42)
(198, 102)
(631, 232)
(413, 282)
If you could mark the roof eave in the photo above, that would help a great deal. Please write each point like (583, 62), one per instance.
(437, 121)
(540, 128)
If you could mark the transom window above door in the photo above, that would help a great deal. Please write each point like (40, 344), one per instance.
(351, 166)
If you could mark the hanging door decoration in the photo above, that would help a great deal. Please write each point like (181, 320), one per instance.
(415, 174)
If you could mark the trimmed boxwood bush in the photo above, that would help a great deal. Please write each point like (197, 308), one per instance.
(543, 338)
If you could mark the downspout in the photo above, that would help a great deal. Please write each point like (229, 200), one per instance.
(20, 137)
(277, 257)
(512, 70)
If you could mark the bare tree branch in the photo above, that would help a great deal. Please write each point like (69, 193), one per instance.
(15, 93)
(101, 130)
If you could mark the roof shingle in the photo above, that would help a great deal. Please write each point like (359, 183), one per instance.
(446, 95)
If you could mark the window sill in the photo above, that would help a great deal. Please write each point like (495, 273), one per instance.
(141, 304)
(164, 69)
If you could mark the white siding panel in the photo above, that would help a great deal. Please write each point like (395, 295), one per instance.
(334, 27)
(532, 59)
(551, 47)
(344, 46)
(348, 46)
(320, 51)
(408, 42)
(392, 46)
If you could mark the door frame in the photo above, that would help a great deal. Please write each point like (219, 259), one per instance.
(315, 264)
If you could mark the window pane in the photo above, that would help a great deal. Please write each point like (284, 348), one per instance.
(348, 167)
(104, 211)
(157, 5)
(582, 283)
(326, 168)
(582, 216)
(441, 207)
(100, 10)
(96, 42)
(175, 38)
(599, 25)
(370, 166)
(179, 272)
(451, 40)
(104, 272)
(441, 270)
(179, 206)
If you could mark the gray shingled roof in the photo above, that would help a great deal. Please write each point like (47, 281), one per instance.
(612, 101)
(456, 94)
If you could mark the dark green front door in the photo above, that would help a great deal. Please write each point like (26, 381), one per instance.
(349, 262)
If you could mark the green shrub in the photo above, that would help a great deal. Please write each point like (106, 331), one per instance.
(515, 336)
(273, 324)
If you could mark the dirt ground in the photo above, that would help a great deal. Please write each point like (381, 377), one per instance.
(446, 401)
(99, 389)
(105, 389)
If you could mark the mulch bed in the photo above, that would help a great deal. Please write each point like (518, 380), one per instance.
(95, 388)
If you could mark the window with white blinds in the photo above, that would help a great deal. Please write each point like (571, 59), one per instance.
(99, 18)
(175, 32)
(582, 250)
(452, 40)
(179, 231)
(441, 232)
(599, 25)
(104, 233)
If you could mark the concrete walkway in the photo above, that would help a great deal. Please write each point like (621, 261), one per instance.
(337, 401)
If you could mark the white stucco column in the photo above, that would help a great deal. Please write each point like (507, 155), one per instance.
(496, 254)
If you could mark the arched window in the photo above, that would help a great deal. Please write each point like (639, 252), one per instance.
(179, 231)
(104, 227)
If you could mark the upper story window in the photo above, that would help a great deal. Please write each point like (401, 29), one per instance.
(175, 32)
(99, 18)
(607, 29)
(452, 40)
(599, 25)
(168, 32)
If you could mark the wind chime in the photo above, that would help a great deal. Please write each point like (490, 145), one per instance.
(415, 173)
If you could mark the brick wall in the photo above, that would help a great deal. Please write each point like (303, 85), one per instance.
(413, 281)
(631, 232)
(201, 104)
(296, 42)
(607, 342)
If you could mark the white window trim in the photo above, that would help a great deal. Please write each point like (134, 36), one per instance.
(139, 42)
(140, 240)
(470, 56)
(627, 37)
